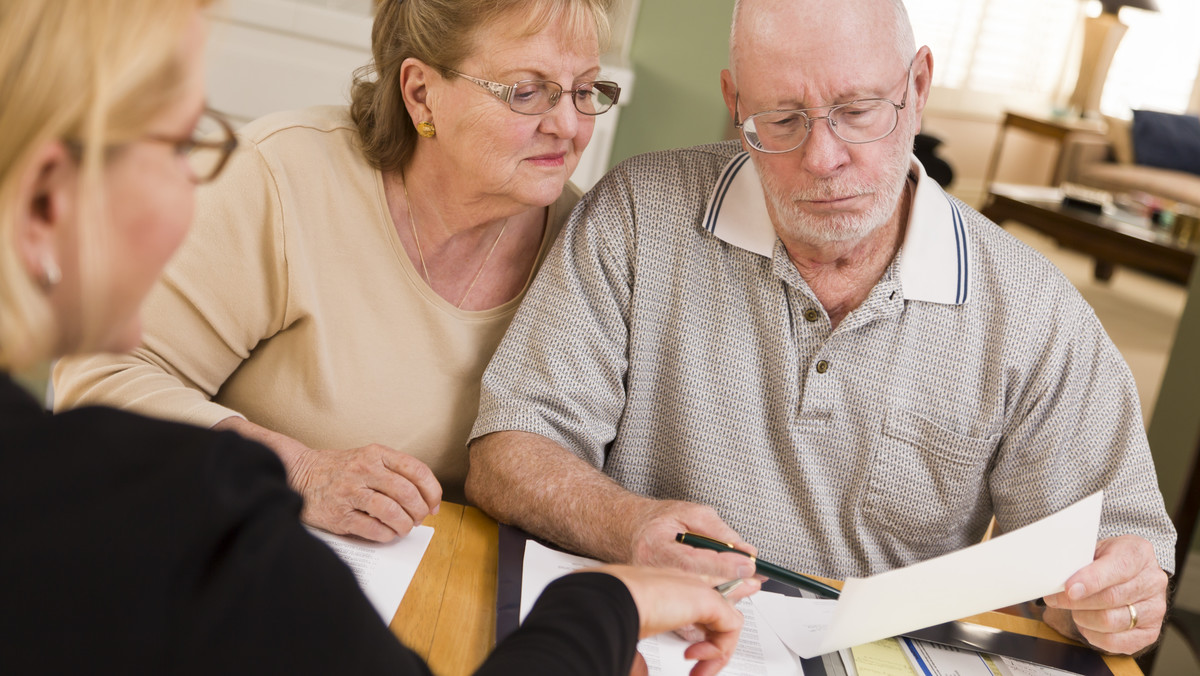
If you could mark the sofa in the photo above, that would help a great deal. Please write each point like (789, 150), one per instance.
(1155, 153)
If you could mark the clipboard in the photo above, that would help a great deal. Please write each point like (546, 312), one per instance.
(978, 638)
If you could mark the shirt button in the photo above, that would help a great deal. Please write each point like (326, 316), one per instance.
(812, 315)
(822, 366)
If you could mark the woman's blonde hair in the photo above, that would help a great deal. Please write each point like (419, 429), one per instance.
(90, 73)
(441, 33)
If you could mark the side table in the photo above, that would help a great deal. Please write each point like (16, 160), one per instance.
(1057, 129)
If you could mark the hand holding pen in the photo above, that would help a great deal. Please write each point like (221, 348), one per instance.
(653, 533)
(767, 570)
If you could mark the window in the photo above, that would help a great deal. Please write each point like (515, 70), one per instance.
(1027, 51)
(1157, 63)
(997, 46)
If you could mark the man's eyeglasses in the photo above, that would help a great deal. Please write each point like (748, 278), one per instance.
(861, 121)
(534, 97)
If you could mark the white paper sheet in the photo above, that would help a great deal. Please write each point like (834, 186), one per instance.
(759, 651)
(1015, 567)
(800, 623)
(1010, 667)
(383, 571)
(931, 659)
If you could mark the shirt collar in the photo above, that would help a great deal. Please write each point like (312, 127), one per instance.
(934, 259)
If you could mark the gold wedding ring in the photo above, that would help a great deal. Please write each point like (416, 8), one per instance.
(1132, 617)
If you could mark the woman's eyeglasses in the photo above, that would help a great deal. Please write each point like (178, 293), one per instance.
(206, 149)
(534, 97)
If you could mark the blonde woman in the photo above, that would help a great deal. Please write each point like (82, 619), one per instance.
(352, 272)
(133, 545)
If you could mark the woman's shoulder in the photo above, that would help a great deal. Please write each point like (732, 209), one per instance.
(100, 451)
(318, 119)
(306, 153)
(297, 137)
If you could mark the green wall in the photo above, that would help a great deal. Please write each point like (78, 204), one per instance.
(1175, 424)
(679, 49)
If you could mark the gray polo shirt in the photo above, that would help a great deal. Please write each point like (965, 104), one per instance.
(669, 341)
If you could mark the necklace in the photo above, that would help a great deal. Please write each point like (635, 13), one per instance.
(412, 223)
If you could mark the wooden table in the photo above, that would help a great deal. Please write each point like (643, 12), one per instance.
(448, 615)
(1108, 239)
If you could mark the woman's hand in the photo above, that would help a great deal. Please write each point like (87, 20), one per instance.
(373, 492)
(668, 599)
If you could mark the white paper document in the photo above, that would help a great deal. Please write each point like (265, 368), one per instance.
(931, 659)
(1025, 564)
(759, 651)
(383, 570)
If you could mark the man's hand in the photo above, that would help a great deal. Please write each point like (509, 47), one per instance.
(1096, 604)
(654, 540)
(374, 492)
(671, 599)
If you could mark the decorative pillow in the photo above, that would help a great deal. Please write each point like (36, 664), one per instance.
(1166, 140)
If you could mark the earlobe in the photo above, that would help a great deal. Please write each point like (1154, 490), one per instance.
(46, 194)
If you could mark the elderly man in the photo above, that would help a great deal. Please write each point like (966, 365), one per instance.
(804, 338)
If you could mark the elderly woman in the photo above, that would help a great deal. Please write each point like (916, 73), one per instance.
(135, 545)
(352, 272)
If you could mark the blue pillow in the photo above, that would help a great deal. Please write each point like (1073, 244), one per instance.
(1166, 140)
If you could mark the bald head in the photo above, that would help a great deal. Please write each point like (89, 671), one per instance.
(820, 28)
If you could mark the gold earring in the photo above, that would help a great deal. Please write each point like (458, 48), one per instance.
(426, 129)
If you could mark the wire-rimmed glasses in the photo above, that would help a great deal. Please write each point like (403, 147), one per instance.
(860, 121)
(534, 97)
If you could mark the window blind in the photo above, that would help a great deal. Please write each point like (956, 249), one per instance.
(997, 46)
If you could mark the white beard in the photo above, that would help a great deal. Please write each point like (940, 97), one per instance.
(787, 204)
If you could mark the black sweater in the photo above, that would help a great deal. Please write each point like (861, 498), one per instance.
(132, 545)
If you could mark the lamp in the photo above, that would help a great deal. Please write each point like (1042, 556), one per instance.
(1101, 35)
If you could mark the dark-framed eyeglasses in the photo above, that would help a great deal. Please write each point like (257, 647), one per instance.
(534, 97)
(207, 149)
(860, 121)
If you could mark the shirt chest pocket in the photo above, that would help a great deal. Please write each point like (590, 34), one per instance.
(925, 479)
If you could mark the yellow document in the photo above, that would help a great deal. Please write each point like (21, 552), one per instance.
(881, 658)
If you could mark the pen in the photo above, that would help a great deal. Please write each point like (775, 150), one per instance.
(768, 570)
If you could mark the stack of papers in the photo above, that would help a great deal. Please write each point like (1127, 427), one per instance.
(1026, 564)
(383, 570)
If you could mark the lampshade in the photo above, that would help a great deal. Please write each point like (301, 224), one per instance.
(1114, 6)
(1101, 36)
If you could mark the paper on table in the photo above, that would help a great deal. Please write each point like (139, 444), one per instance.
(759, 651)
(884, 657)
(1007, 666)
(932, 659)
(383, 570)
(1015, 567)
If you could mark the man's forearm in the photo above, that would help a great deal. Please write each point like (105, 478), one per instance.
(531, 482)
